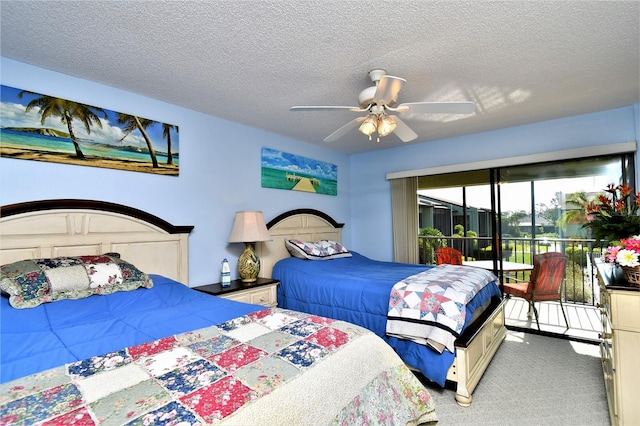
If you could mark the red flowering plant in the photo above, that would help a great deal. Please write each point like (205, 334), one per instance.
(614, 214)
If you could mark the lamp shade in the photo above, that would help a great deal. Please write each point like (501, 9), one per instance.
(369, 125)
(249, 227)
(386, 125)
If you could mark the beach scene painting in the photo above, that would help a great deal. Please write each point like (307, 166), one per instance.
(40, 127)
(282, 170)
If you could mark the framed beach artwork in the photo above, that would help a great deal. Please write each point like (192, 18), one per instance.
(282, 170)
(40, 127)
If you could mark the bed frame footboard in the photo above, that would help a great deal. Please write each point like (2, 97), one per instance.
(475, 349)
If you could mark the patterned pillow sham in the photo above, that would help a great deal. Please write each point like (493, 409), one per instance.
(32, 282)
(319, 250)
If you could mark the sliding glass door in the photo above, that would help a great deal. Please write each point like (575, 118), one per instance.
(455, 210)
(510, 214)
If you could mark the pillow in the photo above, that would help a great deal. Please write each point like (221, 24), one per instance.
(320, 250)
(32, 282)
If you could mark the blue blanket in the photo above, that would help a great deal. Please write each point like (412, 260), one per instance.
(64, 331)
(112, 359)
(357, 290)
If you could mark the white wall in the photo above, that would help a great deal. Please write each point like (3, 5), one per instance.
(219, 170)
(371, 197)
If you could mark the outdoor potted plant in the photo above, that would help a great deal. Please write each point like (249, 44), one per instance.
(613, 218)
(614, 214)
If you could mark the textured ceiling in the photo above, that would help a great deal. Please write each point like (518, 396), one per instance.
(249, 61)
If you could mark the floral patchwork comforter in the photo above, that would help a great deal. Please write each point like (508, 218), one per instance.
(271, 367)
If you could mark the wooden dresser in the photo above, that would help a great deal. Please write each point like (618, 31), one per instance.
(620, 347)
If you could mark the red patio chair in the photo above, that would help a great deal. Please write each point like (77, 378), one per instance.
(449, 256)
(544, 283)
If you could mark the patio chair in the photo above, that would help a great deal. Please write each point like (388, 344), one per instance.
(544, 284)
(449, 256)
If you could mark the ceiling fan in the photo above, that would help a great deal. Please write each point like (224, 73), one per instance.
(381, 99)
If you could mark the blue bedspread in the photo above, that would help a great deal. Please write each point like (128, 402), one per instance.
(53, 334)
(356, 289)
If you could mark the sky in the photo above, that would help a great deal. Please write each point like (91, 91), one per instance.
(12, 114)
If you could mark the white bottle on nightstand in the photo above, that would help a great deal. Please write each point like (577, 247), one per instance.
(226, 274)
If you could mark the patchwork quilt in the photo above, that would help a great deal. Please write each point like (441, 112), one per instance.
(272, 366)
(430, 307)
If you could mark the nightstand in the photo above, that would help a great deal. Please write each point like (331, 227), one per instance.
(261, 292)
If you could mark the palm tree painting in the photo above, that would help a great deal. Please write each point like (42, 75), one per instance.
(40, 127)
(131, 123)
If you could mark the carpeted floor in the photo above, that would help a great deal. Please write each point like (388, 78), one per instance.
(533, 380)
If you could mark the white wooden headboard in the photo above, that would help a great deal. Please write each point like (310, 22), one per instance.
(300, 224)
(68, 227)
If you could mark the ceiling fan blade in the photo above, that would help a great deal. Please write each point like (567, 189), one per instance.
(344, 129)
(403, 131)
(326, 108)
(465, 107)
(388, 89)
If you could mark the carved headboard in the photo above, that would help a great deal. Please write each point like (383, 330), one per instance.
(300, 224)
(69, 227)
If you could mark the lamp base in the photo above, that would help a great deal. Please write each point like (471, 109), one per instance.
(248, 264)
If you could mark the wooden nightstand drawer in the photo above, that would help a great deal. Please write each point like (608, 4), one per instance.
(262, 292)
(260, 296)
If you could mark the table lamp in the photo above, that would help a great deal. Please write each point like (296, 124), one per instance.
(249, 228)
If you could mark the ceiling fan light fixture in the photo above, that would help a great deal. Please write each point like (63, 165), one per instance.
(380, 99)
(369, 125)
(386, 125)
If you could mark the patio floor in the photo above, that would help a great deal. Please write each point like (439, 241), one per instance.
(584, 321)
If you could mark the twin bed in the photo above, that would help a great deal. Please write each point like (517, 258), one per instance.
(356, 289)
(167, 353)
